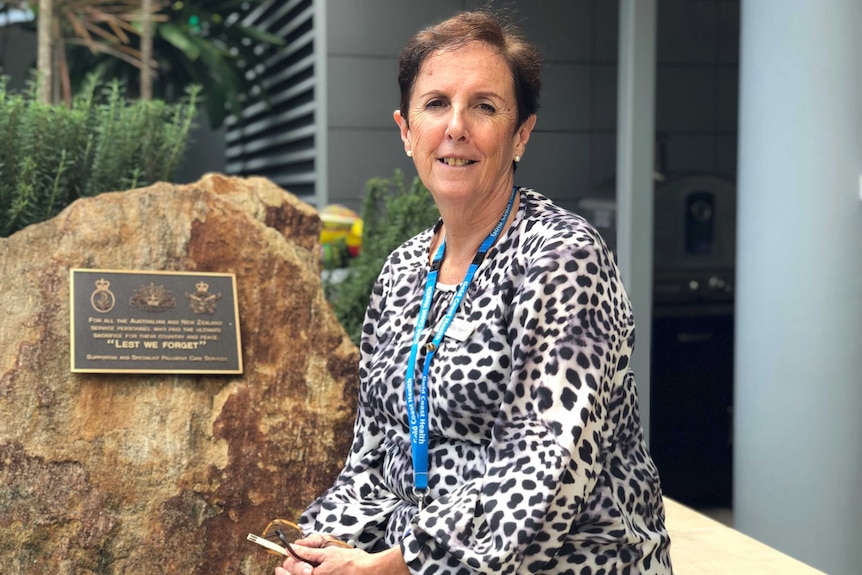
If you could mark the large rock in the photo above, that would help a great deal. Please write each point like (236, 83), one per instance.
(118, 473)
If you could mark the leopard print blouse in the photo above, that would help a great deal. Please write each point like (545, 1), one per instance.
(537, 457)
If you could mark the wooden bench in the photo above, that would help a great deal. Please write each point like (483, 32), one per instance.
(702, 546)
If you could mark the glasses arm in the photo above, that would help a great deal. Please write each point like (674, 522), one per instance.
(289, 548)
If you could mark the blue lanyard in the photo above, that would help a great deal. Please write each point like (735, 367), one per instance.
(419, 417)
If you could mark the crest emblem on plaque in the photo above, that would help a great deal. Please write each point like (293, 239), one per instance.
(102, 299)
(202, 301)
(153, 298)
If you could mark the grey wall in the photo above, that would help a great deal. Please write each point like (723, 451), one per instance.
(697, 85)
(799, 300)
(17, 55)
(205, 152)
(573, 150)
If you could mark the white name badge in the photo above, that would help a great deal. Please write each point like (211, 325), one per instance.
(460, 329)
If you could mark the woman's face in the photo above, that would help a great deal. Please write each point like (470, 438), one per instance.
(461, 129)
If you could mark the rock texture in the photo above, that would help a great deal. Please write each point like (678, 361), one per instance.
(118, 473)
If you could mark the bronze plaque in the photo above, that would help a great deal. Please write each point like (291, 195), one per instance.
(154, 322)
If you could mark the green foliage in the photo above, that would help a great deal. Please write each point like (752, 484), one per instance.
(392, 213)
(204, 43)
(52, 155)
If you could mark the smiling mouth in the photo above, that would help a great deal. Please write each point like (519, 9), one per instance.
(456, 161)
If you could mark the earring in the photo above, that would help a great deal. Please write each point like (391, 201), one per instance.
(517, 159)
(409, 153)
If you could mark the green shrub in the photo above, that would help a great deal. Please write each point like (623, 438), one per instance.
(52, 155)
(392, 213)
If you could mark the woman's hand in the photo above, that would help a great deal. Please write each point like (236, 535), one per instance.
(333, 560)
(304, 548)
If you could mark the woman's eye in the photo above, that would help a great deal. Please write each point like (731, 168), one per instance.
(435, 104)
(487, 108)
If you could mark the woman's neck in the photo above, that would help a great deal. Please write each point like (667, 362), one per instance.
(464, 233)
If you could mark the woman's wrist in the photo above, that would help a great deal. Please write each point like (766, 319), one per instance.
(389, 562)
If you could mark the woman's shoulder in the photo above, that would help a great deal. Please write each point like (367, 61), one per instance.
(413, 252)
(547, 223)
(554, 239)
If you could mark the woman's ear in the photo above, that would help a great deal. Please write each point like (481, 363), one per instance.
(522, 135)
(405, 131)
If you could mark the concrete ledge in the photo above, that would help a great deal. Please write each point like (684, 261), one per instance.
(702, 546)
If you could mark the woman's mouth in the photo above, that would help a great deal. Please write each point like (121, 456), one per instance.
(456, 161)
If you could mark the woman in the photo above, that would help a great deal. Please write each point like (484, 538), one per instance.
(531, 458)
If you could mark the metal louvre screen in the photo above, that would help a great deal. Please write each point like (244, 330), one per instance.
(276, 138)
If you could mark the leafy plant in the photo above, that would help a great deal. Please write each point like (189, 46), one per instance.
(205, 43)
(392, 213)
(51, 155)
(103, 26)
(208, 43)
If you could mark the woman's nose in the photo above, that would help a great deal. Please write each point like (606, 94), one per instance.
(457, 128)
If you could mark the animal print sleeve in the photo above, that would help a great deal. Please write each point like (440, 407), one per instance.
(570, 333)
(357, 507)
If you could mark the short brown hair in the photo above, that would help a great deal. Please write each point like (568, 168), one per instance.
(476, 26)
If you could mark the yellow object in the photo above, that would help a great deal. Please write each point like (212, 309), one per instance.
(354, 238)
(341, 224)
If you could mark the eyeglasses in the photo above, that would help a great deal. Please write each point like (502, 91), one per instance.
(283, 533)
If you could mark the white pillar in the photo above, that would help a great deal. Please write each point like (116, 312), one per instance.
(798, 344)
(635, 142)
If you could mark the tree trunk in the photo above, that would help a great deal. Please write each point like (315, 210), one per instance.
(44, 55)
(147, 50)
